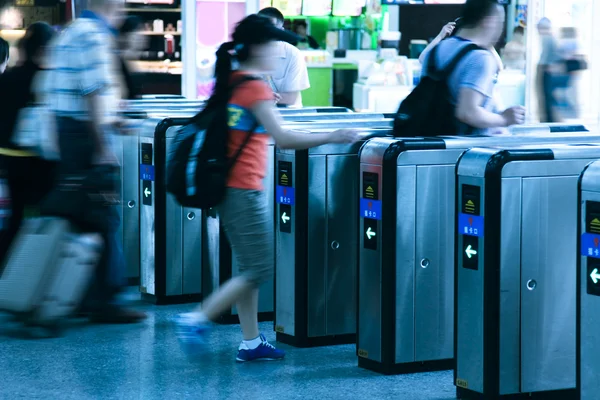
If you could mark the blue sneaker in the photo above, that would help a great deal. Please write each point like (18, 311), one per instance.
(265, 351)
(190, 333)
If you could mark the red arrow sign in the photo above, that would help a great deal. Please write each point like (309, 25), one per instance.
(284, 191)
(596, 241)
(370, 205)
(470, 221)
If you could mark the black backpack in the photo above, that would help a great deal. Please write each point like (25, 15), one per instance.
(198, 166)
(427, 110)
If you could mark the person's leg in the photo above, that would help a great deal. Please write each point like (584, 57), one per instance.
(224, 297)
(110, 280)
(247, 307)
(248, 225)
(541, 94)
(549, 97)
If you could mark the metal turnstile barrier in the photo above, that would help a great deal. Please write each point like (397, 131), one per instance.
(126, 148)
(588, 284)
(516, 260)
(170, 235)
(316, 242)
(406, 249)
(217, 265)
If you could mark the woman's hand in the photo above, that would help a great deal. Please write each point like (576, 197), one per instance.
(342, 136)
(447, 30)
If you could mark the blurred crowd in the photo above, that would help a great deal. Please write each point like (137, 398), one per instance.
(65, 166)
(561, 62)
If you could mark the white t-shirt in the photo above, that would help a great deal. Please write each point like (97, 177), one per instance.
(290, 74)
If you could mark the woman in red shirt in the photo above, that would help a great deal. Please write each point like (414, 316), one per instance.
(244, 213)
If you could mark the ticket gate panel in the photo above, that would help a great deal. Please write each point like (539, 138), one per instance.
(287, 278)
(588, 285)
(405, 272)
(146, 223)
(470, 340)
(119, 151)
(548, 349)
(317, 250)
(187, 241)
(434, 276)
(510, 283)
(332, 242)
(173, 247)
(325, 189)
(540, 345)
(370, 281)
(342, 202)
(130, 205)
(170, 242)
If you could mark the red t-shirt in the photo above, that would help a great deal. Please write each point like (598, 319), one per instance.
(250, 168)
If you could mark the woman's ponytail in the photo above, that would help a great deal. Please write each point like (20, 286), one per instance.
(223, 69)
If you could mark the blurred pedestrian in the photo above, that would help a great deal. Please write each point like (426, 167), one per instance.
(305, 41)
(290, 76)
(515, 50)
(573, 62)
(546, 83)
(29, 178)
(84, 92)
(131, 44)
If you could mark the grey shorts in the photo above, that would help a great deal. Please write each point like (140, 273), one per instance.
(248, 224)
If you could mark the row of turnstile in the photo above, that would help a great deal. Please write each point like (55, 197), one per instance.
(406, 242)
(429, 253)
(178, 254)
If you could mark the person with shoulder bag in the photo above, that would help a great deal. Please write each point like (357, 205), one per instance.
(28, 176)
(455, 94)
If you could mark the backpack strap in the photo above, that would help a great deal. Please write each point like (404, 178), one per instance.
(237, 83)
(447, 71)
(233, 160)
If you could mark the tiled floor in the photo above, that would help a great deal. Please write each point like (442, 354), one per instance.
(146, 362)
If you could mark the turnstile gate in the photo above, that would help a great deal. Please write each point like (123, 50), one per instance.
(516, 256)
(406, 249)
(170, 235)
(316, 242)
(588, 284)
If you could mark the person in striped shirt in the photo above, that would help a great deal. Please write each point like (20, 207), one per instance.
(83, 89)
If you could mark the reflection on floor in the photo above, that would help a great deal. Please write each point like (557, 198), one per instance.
(146, 362)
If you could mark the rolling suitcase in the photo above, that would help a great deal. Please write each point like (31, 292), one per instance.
(47, 272)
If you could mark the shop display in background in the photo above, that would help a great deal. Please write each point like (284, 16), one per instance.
(316, 8)
(521, 13)
(160, 63)
(289, 8)
(398, 71)
(14, 20)
(348, 8)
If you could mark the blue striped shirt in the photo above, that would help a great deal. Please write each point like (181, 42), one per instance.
(83, 61)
